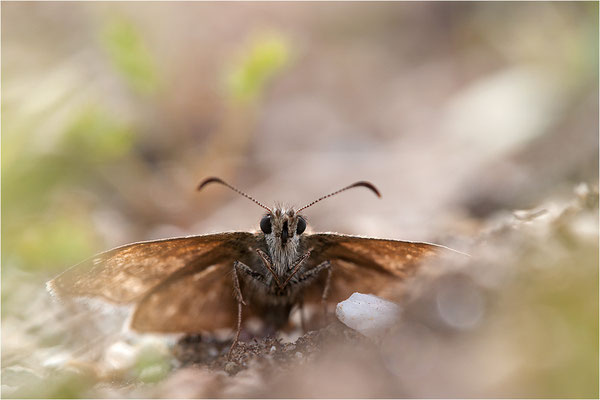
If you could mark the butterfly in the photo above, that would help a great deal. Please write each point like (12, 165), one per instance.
(202, 283)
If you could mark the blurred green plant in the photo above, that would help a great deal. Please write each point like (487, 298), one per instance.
(67, 238)
(565, 313)
(44, 219)
(54, 142)
(129, 54)
(551, 312)
(70, 383)
(152, 365)
(94, 133)
(263, 57)
(245, 80)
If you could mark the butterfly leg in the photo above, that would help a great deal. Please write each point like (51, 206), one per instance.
(312, 274)
(240, 300)
(269, 264)
(326, 292)
(236, 282)
(296, 267)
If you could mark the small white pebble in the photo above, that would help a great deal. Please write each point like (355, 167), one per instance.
(273, 348)
(582, 190)
(153, 343)
(231, 367)
(56, 361)
(367, 314)
(8, 390)
(120, 356)
(213, 352)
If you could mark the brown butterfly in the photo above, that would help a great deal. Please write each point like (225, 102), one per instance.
(200, 283)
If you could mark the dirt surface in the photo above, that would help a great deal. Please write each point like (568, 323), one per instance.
(453, 324)
(530, 285)
(259, 367)
(198, 350)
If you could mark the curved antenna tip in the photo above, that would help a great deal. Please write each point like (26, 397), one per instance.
(212, 179)
(368, 185)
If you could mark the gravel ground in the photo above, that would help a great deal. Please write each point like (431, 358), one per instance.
(524, 304)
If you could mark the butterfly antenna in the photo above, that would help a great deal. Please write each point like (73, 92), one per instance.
(222, 182)
(366, 184)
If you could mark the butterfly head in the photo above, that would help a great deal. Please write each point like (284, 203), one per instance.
(282, 227)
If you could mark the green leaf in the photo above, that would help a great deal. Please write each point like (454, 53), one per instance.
(262, 59)
(128, 53)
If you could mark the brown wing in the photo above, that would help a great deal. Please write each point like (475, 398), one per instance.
(126, 274)
(189, 301)
(365, 265)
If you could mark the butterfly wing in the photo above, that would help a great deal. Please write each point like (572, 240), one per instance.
(126, 274)
(191, 300)
(366, 265)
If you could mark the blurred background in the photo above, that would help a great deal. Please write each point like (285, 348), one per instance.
(471, 119)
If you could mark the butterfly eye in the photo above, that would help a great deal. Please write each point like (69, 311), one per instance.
(301, 225)
(265, 224)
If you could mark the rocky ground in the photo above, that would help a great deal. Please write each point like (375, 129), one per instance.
(519, 317)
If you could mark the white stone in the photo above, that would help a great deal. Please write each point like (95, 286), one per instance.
(368, 314)
(120, 356)
(56, 360)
